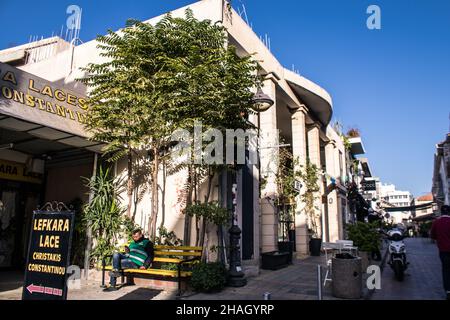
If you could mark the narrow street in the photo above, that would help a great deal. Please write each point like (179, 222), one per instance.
(423, 279)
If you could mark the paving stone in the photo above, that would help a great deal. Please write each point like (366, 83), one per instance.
(423, 280)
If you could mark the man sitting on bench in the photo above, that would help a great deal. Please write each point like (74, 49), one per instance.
(139, 255)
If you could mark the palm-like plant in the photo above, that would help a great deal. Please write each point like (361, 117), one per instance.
(104, 214)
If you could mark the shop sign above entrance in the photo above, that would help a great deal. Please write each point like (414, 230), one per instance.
(18, 172)
(31, 98)
(369, 185)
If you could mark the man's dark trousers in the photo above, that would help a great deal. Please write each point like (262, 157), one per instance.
(445, 259)
(120, 261)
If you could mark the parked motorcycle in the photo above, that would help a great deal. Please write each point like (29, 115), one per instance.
(397, 253)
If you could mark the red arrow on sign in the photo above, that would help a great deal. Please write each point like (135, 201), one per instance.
(32, 288)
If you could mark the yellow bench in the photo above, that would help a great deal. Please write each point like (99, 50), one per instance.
(178, 255)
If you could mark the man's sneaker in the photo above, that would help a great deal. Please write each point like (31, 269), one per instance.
(115, 273)
(110, 289)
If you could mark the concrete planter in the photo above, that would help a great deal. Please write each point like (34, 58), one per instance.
(365, 259)
(347, 278)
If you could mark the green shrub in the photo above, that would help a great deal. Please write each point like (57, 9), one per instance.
(364, 236)
(208, 277)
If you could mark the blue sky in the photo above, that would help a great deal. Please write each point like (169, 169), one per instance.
(393, 84)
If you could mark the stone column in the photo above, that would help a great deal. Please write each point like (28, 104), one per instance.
(331, 157)
(269, 164)
(314, 144)
(314, 157)
(299, 152)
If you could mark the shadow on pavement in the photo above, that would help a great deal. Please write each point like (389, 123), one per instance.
(10, 280)
(140, 294)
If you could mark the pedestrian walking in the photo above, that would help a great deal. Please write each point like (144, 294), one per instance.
(440, 231)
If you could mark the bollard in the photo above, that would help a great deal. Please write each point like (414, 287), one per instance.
(319, 282)
(103, 273)
(266, 295)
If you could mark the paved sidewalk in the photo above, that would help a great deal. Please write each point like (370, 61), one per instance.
(296, 282)
(423, 278)
(11, 289)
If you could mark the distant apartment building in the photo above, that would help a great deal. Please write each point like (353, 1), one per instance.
(397, 198)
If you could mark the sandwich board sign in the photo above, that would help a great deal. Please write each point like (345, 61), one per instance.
(48, 255)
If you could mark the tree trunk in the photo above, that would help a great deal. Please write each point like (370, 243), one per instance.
(130, 184)
(197, 227)
(163, 194)
(187, 219)
(155, 204)
(197, 230)
(203, 221)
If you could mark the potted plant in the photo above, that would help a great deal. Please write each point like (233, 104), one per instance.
(310, 176)
(286, 177)
(315, 245)
(286, 234)
(366, 237)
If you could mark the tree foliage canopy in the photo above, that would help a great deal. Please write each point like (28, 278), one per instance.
(155, 79)
(159, 78)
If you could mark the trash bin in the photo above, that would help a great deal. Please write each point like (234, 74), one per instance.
(346, 273)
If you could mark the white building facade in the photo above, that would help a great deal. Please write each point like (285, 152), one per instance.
(301, 114)
(397, 198)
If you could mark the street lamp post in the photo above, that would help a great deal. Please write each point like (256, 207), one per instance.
(236, 277)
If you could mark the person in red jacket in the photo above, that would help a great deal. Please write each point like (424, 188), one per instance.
(440, 231)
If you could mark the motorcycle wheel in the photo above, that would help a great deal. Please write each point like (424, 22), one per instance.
(398, 270)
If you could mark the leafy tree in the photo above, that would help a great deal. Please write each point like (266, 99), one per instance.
(161, 78)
